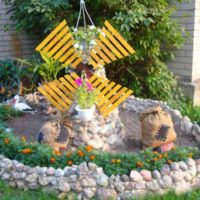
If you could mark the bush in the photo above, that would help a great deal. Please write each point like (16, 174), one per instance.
(147, 25)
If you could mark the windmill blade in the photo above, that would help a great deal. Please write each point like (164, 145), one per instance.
(58, 45)
(111, 46)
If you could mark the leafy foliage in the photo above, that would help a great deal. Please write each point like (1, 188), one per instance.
(36, 154)
(44, 71)
(10, 75)
(147, 25)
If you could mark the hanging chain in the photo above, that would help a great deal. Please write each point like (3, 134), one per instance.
(83, 10)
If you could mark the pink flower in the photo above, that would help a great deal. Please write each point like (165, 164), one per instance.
(89, 86)
(79, 81)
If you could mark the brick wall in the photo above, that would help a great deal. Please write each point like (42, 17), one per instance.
(14, 44)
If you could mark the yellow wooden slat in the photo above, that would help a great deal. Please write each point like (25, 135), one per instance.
(114, 98)
(119, 37)
(101, 96)
(93, 63)
(102, 55)
(105, 83)
(42, 91)
(76, 62)
(65, 83)
(61, 43)
(55, 39)
(113, 91)
(96, 58)
(106, 50)
(63, 50)
(51, 35)
(115, 42)
(71, 81)
(55, 96)
(53, 85)
(110, 109)
(97, 82)
(66, 91)
(71, 59)
(110, 46)
(93, 78)
(74, 76)
(67, 54)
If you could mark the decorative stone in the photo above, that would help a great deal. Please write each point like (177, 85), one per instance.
(31, 178)
(106, 193)
(43, 180)
(42, 170)
(20, 185)
(130, 186)
(92, 166)
(119, 186)
(165, 170)
(19, 175)
(76, 187)
(177, 176)
(33, 186)
(135, 176)
(195, 130)
(166, 181)
(190, 162)
(50, 171)
(52, 180)
(102, 180)
(59, 172)
(156, 174)
(96, 142)
(63, 186)
(153, 186)
(5, 177)
(83, 167)
(125, 178)
(73, 178)
(183, 166)
(174, 166)
(89, 193)
(140, 185)
(146, 174)
(88, 182)
(187, 125)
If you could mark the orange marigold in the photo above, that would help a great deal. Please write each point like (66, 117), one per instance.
(160, 156)
(92, 157)
(52, 160)
(89, 148)
(139, 164)
(26, 151)
(80, 153)
(70, 162)
(57, 153)
(155, 159)
(23, 139)
(169, 162)
(69, 154)
(6, 141)
(113, 160)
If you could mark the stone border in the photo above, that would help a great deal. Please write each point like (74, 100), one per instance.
(89, 181)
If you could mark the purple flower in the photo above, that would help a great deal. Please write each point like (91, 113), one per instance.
(79, 81)
(89, 86)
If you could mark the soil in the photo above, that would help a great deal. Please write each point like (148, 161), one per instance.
(29, 125)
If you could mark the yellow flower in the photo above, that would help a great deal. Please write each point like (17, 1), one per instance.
(57, 153)
(190, 155)
(113, 161)
(23, 139)
(169, 162)
(118, 161)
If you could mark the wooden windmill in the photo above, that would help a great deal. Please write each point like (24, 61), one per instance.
(110, 46)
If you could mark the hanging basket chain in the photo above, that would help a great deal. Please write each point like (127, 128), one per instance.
(83, 10)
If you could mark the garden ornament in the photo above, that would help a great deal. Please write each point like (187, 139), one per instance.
(108, 46)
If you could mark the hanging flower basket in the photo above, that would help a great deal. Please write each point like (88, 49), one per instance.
(85, 114)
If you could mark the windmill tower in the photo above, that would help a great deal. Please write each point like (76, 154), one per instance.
(109, 46)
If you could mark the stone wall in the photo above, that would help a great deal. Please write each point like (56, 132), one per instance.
(14, 44)
(186, 65)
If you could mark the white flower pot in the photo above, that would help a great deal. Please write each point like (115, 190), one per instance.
(85, 114)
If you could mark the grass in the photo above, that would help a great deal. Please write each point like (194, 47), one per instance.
(7, 193)
(192, 195)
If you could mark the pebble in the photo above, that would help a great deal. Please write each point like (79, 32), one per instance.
(135, 176)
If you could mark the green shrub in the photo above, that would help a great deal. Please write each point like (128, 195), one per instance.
(147, 25)
(10, 75)
(34, 154)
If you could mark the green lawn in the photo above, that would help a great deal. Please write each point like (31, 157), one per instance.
(7, 193)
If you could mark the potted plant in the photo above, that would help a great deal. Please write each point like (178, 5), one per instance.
(85, 41)
(86, 97)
